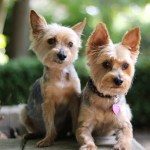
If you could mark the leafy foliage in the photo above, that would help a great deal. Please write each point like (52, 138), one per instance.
(16, 78)
(138, 96)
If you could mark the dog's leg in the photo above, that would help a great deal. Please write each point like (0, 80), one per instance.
(48, 115)
(124, 137)
(74, 109)
(27, 121)
(84, 137)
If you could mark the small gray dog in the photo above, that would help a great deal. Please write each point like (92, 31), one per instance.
(56, 93)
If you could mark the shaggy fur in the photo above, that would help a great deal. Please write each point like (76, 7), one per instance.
(54, 96)
(108, 62)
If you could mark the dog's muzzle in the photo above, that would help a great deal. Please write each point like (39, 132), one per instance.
(61, 55)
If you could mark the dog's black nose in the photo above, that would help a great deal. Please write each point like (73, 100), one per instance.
(61, 55)
(118, 81)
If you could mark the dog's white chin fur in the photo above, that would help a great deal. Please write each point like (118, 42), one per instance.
(113, 90)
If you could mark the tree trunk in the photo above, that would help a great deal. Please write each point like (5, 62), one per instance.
(19, 38)
(3, 12)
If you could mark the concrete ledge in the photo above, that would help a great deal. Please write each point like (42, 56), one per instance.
(15, 144)
(10, 119)
(10, 144)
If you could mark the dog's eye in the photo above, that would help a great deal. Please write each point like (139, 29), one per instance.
(125, 66)
(107, 65)
(70, 44)
(51, 41)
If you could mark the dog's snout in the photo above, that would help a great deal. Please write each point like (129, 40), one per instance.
(118, 81)
(61, 55)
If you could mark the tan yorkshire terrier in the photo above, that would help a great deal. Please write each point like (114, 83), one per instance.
(104, 110)
(55, 96)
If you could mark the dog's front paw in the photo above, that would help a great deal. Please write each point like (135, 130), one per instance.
(88, 147)
(47, 141)
(122, 146)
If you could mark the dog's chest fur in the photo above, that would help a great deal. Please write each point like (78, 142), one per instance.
(104, 116)
(100, 110)
(57, 85)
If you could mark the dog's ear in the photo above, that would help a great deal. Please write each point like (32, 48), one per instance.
(37, 21)
(99, 37)
(131, 40)
(78, 28)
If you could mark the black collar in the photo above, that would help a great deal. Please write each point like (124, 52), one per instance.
(94, 90)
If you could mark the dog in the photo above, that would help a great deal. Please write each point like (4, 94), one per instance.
(104, 110)
(56, 95)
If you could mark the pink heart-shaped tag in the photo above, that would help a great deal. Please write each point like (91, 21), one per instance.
(116, 108)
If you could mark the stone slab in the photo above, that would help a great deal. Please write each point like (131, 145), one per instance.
(103, 144)
(10, 144)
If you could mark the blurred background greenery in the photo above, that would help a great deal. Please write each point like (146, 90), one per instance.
(19, 68)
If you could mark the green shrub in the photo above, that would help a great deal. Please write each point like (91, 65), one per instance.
(139, 94)
(81, 68)
(17, 77)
